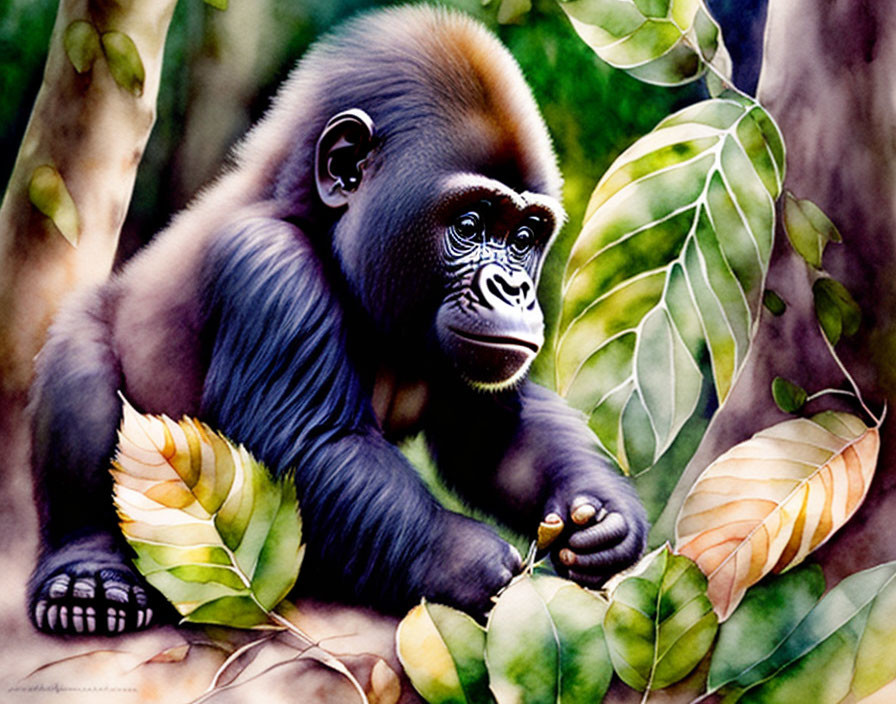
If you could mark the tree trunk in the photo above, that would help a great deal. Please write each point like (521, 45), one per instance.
(85, 138)
(77, 164)
(831, 93)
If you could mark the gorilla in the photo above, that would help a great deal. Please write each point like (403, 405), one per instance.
(363, 270)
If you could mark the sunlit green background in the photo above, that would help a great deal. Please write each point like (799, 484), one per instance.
(221, 69)
(219, 77)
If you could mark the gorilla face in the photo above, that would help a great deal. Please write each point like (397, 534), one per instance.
(438, 253)
(493, 240)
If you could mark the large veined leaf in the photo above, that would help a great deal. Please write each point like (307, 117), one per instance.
(665, 42)
(442, 650)
(660, 623)
(663, 286)
(844, 646)
(766, 616)
(771, 500)
(545, 644)
(213, 531)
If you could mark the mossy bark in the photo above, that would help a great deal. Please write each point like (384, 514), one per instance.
(827, 79)
(72, 181)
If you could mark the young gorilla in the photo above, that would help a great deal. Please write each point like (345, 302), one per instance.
(365, 270)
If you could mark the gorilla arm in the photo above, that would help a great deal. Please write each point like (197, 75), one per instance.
(523, 455)
(280, 381)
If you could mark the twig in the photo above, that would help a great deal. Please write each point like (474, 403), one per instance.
(327, 659)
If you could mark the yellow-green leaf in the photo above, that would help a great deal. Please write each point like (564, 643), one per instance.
(836, 309)
(442, 651)
(124, 61)
(808, 229)
(653, 40)
(663, 285)
(213, 531)
(660, 622)
(82, 45)
(768, 502)
(513, 11)
(545, 644)
(217, 4)
(48, 193)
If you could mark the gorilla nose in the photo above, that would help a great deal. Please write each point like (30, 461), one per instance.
(498, 287)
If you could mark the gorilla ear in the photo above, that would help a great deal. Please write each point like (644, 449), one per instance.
(342, 148)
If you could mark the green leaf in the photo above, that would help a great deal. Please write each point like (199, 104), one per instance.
(789, 397)
(82, 45)
(769, 612)
(217, 4)
(124, 61)
(844, 644)
(212, 530)
(836, 309)
(513, 11)
(773, 303)
(545, 643)
(808, 229)
(653, 40)
(442, 650)
(48, 193)
(662, 288)
(660, 623)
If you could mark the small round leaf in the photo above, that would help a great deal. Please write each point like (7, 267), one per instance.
(836, 309)
(773, 303)
(789, 397)
(124, 61)
(82, 45)
(442, 650)
(48, 193)
(660, 622)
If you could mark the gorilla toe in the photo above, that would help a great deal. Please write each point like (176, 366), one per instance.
(90, 596)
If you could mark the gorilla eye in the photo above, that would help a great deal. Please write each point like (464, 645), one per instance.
(522, 240)
(468, 226)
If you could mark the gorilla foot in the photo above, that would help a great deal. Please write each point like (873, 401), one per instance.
(99, 594)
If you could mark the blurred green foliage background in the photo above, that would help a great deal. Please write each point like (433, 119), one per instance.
(222, 68)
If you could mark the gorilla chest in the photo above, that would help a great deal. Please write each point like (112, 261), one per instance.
(399, 401)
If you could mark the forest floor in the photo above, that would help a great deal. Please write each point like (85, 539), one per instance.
(170, 664)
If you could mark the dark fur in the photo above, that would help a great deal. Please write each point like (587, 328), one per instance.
(271, 317)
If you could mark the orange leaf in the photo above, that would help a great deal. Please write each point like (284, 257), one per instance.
(768, 502)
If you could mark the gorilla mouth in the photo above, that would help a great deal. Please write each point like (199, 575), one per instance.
(496, 340)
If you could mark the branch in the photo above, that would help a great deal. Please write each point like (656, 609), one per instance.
(72, 181)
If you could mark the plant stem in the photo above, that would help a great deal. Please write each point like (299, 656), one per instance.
(327, 659)
(852, 382)
(829, 392)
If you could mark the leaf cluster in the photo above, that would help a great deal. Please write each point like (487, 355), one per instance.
(211, 529)
(549, 640)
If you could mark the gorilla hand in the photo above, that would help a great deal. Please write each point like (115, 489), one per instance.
(469, 565)
(600, 537)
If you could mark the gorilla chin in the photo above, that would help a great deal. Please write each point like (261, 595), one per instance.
(489, 360)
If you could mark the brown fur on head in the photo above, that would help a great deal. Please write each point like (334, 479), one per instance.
(415, 70)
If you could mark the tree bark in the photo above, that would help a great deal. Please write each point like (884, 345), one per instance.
(827, 79)
(90, 131)
(87, 132)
